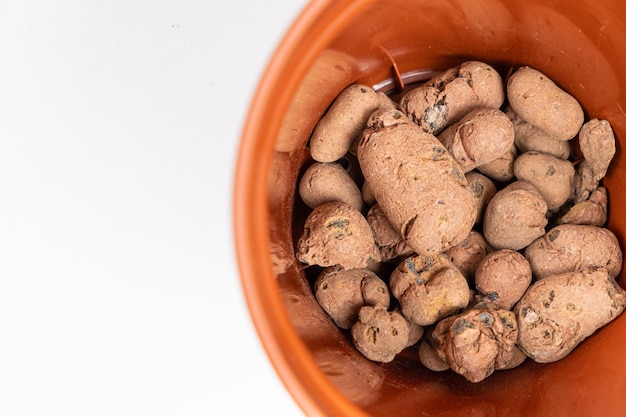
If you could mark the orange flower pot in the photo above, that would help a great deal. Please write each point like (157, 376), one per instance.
(580, 44)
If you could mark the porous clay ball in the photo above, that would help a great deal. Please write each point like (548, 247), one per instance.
(337, 234)
(597, 144)
(342, 292)
(477, 342)
(342, 123)
(380, 334)
(551, 176)
(540, 102)
(480, 137)
(571, 247)
(515, 216)
(502, 277)
(447, 97)
(399, 162)
(428, 288)
(560, 311)
(327, 182)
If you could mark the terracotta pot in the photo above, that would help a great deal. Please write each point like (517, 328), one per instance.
(387, 43)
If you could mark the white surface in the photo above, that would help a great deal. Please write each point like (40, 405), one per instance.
(119, 123)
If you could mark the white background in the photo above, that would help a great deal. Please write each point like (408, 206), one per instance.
(119, 123)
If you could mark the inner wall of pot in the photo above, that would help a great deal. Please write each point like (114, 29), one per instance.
(578, 44)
